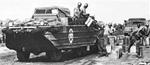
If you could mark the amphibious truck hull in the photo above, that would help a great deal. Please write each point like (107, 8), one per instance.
(51, 40)
(53, 30)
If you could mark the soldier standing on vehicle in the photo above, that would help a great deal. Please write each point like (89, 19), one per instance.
(77, 11)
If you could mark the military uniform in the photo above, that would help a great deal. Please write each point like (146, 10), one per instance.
(138, 38)
(77, 12)
(83, 12)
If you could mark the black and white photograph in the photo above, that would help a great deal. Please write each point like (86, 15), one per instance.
(74, 32)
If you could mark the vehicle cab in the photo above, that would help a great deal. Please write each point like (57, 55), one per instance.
(51, 15)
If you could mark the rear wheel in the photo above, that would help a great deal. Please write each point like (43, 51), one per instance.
(80, 51)
(54, 55)
(23, 56)
(94, 48)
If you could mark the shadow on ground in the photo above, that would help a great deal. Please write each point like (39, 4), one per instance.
(66, 56)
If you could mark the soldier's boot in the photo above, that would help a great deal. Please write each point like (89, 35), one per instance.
(139, 52)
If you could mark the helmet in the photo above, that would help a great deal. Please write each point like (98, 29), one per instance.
(85, 5)
(147, 25)
(79, 3)
(92, 17)
(138, 25)
(110, 25)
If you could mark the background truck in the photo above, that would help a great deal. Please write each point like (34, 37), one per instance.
(131, 24)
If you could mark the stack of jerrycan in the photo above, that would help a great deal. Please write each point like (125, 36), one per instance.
(126, 42)
(146, 52)
(116, 45)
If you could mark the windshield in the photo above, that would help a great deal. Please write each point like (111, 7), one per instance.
(134, 24)
(46, 11)
(40, 11)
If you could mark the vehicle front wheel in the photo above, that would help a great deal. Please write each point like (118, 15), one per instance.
(23, 56)
(55, 55)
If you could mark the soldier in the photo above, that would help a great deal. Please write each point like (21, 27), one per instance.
(145, 37)
(10, 23)
(106, 38)
(94, 23)
(77, 11)
(138, 37)
(138, 26)
(84, 14)
(111, 38)
(111, 29)
(1, 35)
(97, 27)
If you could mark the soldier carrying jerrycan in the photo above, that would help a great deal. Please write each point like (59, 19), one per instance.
(140, 38)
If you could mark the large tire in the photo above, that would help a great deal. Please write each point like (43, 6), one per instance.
(94, 48)
(23, 56)
(80, 51)
(55, 55)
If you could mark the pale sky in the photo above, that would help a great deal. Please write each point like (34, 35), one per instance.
(114, 11)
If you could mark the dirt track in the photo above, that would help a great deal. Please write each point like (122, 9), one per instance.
(9, 58)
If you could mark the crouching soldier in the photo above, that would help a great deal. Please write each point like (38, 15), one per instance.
(77, 11)
(84, 13)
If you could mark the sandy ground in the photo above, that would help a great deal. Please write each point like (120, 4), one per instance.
(8, 57)
(4, 50)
